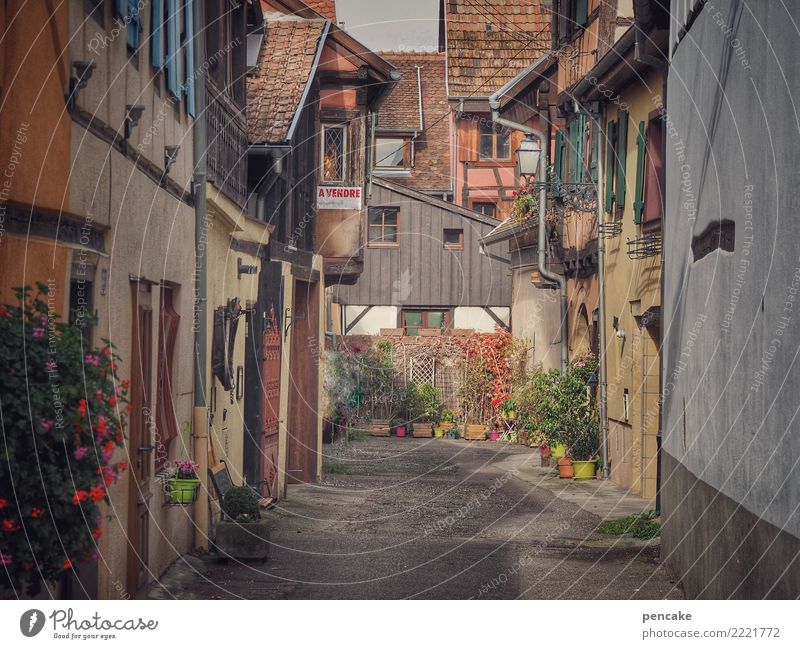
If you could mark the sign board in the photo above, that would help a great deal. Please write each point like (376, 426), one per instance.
(339, 198)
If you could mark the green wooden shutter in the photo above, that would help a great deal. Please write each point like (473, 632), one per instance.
(641, 155)
(134, 25)
(157, 35)
(579, 149)
(611, 133)
(595, 144)
(622, 157)
(581, 13)
(173, 49)
(558, 165)
(572, 141)
(188, 86)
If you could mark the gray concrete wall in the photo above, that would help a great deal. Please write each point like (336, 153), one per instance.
(731, 375)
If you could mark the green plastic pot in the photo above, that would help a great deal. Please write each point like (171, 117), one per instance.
(183, 491)
(584, 469)
(557, 450)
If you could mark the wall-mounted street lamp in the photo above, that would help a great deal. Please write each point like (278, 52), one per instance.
(78, 81)
(133, 114)
(528, 155)
(170, 156)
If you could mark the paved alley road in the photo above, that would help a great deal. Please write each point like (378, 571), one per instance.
(407, 518)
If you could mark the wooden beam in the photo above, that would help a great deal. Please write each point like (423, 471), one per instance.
(357, 320)
(496, 318)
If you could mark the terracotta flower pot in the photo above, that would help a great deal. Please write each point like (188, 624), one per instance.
(565, 470)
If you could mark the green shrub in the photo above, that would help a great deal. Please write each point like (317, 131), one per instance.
(240, 504)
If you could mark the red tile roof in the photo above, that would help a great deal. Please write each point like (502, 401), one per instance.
(400, 110)
(285, 63)
(325, 8)
(490, 41)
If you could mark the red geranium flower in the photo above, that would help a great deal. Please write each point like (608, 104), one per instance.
(37, 512)
(98, 493)
(3, 503)
(80, 496)
(10, 525)
(82, 407)
(97, 533)
(112, 400)
(67, 564)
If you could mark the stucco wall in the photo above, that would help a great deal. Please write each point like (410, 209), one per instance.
(536, 318)
(730, 376)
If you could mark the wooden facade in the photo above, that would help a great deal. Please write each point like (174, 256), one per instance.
(420, 270)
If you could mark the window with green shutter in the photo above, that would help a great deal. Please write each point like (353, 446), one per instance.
(611, 133)
(157, 34)
(577, 135)
(581, 12)
(641, 155)
(595, 144)
(188, 86)
(558, 163)
(173, 49)
(128, 12)
(622, 157)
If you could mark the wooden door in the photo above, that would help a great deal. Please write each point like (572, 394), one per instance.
(302, 449)
(140, 440)
(271, 373)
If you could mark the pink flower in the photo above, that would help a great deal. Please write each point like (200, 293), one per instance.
(92, 359)
(5, 559)
(46, 424)
(38, 332)
(80, 452)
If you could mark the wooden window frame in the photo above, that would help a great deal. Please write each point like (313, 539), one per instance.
(381, 243)
(446, 311)
(343, 155)
(483, 121)
(453, 246)
(407, 144)
(493, 215)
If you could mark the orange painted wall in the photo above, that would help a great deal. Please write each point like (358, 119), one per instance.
(34, 125)
(24, 262)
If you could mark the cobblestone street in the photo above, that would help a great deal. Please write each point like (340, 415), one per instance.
(405, 518)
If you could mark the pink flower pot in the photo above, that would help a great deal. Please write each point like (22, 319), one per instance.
(494, 435)
(400, 431)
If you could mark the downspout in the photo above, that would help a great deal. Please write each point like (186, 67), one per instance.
(200, 410)
(494, 104)
(373, 121)
(601, 290)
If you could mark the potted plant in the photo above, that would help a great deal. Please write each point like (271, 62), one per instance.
(430, 410)
(184, 483)
(565, 470)
(408, 408)
(244, 535)
(454, 432)
(508, 408)
(494, 435)
(583, 449)
(448, 419)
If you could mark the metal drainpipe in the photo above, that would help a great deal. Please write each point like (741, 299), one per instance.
(494, 104)
(601, 290)
(373, 121)
(200, 410)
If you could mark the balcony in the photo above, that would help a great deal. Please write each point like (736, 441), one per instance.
(226, 156)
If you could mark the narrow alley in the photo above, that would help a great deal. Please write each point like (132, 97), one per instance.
(435, 519)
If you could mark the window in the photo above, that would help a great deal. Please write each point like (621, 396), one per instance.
(95, 9)
(382, 226)
(616, 161)
(414, 320)
(333, 153)
(493, 141)
(453, 238)
(392, 153)
(486, 208)
(654, 183)
(157, 34)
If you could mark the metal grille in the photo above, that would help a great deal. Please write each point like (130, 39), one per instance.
(422, 370)
(333, 156)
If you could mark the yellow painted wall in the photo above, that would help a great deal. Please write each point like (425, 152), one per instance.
(632, 287)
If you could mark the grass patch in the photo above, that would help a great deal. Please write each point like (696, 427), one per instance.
(640, 526)
(333, 466)
(356, 435)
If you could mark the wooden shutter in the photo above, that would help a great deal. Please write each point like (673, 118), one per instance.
(558, 163)
(595, 144)
(173, 49)
(157, 35)
(579, 148)
(622, 157)
(641, 155)
(130, 16)
(611, 133)
(467, 140)
(188, 86)
(654, 178)
(581, 12)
